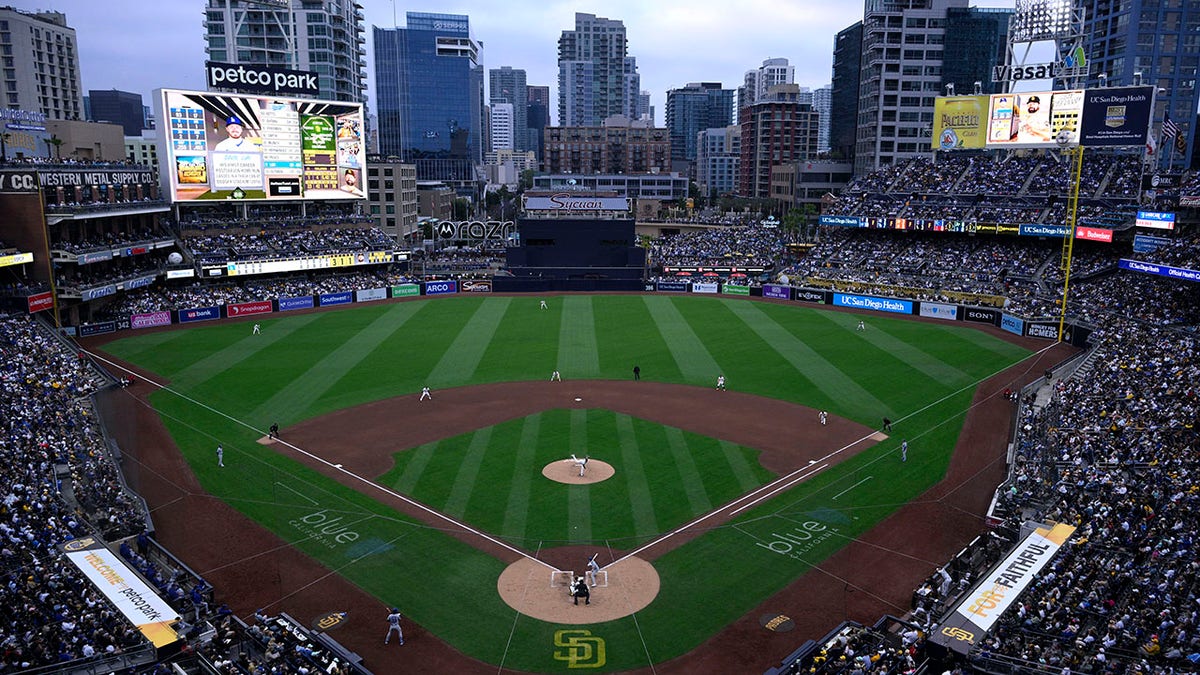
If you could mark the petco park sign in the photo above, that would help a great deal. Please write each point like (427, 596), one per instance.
(569, 202)
(261, 79)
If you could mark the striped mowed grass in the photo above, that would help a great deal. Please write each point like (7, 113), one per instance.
(228, 384)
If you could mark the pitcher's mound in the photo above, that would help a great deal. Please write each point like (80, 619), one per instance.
(567, 471)
(533, 589)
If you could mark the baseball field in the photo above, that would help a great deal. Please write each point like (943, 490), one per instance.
(727, 498)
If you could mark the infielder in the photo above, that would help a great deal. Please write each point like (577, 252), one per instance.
(393, 620)
(721, 382)
(425, 394)
(555, 377)
(593, 568)
(581, 462)
(824, 416)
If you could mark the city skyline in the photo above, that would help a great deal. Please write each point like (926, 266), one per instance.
(668, 39)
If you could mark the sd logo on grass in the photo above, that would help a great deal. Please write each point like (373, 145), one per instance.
(579, 648)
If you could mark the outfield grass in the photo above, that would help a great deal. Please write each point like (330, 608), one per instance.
(231, 385)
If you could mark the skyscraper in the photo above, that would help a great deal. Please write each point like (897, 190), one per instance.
(429, 86)
(537, 117)
(777, 129)
(507, 85)
(692, 109)
(502, 127)
(1159, 40)
(597, 78)
(759, 81)
(976, 40)
(823, 104)
(325, 37)
(41, 71)
(120, 107)
(847, 53)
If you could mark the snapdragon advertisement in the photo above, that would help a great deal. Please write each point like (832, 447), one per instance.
(218, 146)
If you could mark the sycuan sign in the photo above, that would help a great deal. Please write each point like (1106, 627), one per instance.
(568, 202)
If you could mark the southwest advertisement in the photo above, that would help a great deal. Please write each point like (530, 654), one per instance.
(232, 146)
(1034, 119)
(960, 122)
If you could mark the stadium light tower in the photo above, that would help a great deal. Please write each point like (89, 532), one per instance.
(1057, 21)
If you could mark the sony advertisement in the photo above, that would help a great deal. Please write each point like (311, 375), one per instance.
(230, 146)
(1034, 119)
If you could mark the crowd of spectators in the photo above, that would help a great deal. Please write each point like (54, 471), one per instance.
(222, 245)
(750, 245)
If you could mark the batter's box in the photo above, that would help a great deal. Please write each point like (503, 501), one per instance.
(602, 579)
(561, 578)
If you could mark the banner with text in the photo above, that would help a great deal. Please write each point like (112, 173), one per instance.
(39, 302)
(199, 314)
(872, 303)
(734, 289)
(248, 308)
(981, 315)
(343, 298)
(441, 287)
(672, 286)
(1161, 270)
(150, 320)
(1012, 324)
(287, 304)
(406, 290)
(475, 286)
(136, 601)
(937, 310)
(775, 291)
(369, 294)
(705, 287)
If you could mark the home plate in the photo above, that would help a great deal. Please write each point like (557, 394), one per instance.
(577, 399)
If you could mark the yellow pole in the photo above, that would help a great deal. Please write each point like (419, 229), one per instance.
(1069, 242)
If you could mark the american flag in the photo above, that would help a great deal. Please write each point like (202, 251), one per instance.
(1169, 129)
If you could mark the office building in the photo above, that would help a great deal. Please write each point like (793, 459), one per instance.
(692, 109)
(143, 149)
(507, 85)
(327, 38)
(429, 91)
(759, 81)
(392, 196)
(118, 107)
(843, 127)
(621, 145)
(976, 40)
(597, 79)
(1154, 43)
(776, 130)
(502, 127)
(645, 111)
(822, 102)
(41, 64)
(718, 157)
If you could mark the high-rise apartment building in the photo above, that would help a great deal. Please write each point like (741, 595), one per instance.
(119, 107)
(692, 109)
(777, 129)
(41, 64)
(718, 156)
(327, 37)
(759, 81)
(597, 78)
(502, 125)
(847, 54)
(429, 96)
(507, 85)
(822, 102)
(1156, 43)
(618, 146)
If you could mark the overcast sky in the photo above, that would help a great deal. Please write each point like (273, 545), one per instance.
(141, 45)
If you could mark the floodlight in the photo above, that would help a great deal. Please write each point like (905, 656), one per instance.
(949, 88)
(1036, 20)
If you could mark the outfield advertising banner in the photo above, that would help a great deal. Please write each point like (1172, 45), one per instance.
(39, 302)
(1034, 119)
(872, 303)
(1048, 331)
(705, 287)
(981, 315)
(808, 295)
(406, 290)
(136, 601)
(475, 286)
(93, 257)
(842, 221)
(672, 286)
(343, 298)
(1161, 270)
(441, 287)
(150, 320)
(1116, 117)
(937, 310)
(982, 607)
(369, 294)
(98, 292)
(248, 308)
(1012, 324)
(1038, 230)
(734, 289)
(97, 328)
(775, 291)
(1144, 243)
(960, 122)
(288, 304)
(1094, 234)
(199, 314)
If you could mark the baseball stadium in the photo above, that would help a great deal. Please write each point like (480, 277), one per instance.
(938, 416)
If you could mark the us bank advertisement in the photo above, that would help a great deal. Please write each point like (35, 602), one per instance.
(238, 147)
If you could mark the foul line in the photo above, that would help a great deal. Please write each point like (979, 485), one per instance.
(298, 493)
(336, 467)
(851, 487)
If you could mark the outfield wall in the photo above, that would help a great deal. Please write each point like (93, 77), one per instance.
(1045, 329)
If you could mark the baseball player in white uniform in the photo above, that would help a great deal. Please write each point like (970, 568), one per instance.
(256, 329)
(824, 417)
(555, 377)
(581, 462)
(221, 455)
(721, 382)
(393, 620)
(425, 394)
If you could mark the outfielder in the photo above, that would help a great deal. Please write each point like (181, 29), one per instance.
(593, 568)
(544, 305)
(862, 325)
(256, 329)
(393, 620)
(904, 451)
(221, 455)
